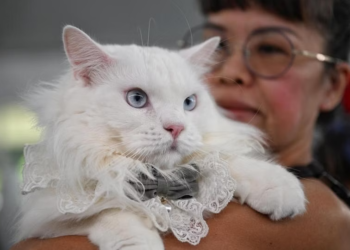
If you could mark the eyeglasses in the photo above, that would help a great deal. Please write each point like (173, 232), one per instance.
(267, 53)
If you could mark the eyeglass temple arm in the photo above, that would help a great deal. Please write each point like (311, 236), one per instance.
(317, 56)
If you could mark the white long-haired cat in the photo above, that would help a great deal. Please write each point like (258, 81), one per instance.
(118, 109)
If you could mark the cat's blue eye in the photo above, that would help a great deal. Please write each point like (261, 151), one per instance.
(136, 98)
(190, 103)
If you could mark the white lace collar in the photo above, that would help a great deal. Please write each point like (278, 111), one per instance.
(183, 217)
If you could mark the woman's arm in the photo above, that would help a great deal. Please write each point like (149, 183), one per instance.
(60, 243)
(326, 225)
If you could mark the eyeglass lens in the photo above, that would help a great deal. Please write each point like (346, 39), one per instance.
(267, 53)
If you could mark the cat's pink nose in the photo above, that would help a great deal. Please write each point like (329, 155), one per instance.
(175, 130)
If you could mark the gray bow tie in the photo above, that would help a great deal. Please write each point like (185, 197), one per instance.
(182, 185)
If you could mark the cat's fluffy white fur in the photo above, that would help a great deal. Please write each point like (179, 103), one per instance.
(90, 130)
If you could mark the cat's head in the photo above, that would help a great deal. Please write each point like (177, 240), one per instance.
(144, 102)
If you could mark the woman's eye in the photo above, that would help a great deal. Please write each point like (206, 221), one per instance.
(221, 53)
(270, 49)
(222, 47)
(190, 103)
(136, 98)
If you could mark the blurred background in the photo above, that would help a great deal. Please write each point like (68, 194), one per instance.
(31, 51)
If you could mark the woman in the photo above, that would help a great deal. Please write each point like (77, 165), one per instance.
(269, 75)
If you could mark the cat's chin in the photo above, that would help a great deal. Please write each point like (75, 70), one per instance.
(169, 159)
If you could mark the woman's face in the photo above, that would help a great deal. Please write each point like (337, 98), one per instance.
(284, 108)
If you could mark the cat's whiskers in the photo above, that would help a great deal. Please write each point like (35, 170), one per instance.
(202, 151)
(149, 29)
(139, 153)
(140, 31)
(221, 133)
(186, 20)
(128, 153)
(144, 154)
(256, 113)
(131, 154)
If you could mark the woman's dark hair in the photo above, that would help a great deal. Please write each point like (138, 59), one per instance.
(330, 17)
(333, 151)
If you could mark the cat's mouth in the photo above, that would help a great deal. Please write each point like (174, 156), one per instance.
(173, 146)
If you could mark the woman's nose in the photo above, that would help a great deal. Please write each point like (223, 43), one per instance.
(232, 71)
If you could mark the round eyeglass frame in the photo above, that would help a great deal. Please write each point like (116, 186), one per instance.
(188, 39)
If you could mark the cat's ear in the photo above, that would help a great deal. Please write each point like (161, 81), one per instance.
(84, 54)
(201, 54)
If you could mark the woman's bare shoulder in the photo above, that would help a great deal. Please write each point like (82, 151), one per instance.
(325, 225)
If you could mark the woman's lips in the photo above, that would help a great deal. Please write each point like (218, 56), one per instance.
(239, 111)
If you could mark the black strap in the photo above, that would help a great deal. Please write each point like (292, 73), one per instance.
(316, 170)
(312, 170)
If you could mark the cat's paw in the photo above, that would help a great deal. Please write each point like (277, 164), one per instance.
(122, 230)
(146, 241)
(277, 193)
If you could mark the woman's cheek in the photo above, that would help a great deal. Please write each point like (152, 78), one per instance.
(285, 105)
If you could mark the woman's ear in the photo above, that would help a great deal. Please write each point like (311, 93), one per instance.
(338, 80)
